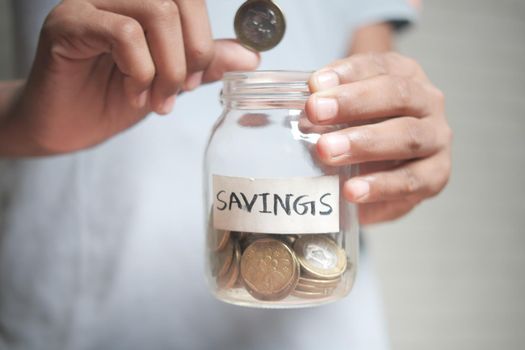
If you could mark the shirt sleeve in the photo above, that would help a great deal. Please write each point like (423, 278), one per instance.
(399, 13)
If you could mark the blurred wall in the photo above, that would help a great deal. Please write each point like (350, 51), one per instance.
(453, 271)
(6, 44)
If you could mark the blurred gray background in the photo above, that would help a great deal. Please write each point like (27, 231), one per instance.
(453, 270)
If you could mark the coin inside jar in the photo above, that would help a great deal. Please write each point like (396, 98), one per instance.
(249, 238)
(309, 295)
(222, 260)
(320, 286)
(229, 279)
(320, 256)
(269, 269)
(219, 239)
(320, 283)
(259, 24)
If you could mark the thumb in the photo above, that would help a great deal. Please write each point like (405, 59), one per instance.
(230, 56)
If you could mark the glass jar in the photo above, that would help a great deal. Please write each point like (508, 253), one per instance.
(280, 234)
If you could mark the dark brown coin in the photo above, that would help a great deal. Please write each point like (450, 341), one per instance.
(259, 24)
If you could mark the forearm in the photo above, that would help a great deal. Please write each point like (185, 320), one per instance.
(376, 37)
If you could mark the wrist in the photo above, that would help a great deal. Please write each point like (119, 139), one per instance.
(15, 134)
(378, 37)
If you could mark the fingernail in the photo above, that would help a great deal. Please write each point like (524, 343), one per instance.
(325, 108)
(168, 105)
(359, 188)
(193, 81)
(142, 99)
(326, 80)
(337, 145)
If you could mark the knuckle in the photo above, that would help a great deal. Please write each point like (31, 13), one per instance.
(127, 29)
(402, 94)
(59, 17)
(60, 27)
(441, 175)
(200, 55)
(380, 61)
(164, 9)
(411, 183)
(173, 79)
(436, 188)
(348, 69)
(145, 75)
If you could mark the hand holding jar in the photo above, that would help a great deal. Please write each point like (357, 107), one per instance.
(396, 130)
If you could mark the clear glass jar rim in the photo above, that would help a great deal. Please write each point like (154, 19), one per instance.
(276, 76)
(266, 84)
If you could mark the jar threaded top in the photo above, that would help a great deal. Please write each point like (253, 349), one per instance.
(270, 88)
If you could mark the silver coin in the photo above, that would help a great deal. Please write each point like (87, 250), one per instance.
(259, 24)
(320, 256)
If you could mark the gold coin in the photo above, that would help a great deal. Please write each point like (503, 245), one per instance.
(285, 292)
(320, 256)
(312, 288)
(309, 295)
(269, 269)
(259, 24)
(222, 260)
(230, 278)
(320, 283)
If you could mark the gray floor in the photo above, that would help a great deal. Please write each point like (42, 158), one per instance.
(453, 270)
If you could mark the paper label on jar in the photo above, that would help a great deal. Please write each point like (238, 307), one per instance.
(286, 206)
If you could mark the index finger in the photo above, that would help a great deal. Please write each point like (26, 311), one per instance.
(360, 67)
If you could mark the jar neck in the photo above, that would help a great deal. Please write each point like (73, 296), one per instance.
(265, 90)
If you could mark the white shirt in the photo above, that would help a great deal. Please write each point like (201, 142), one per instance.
(97, 252)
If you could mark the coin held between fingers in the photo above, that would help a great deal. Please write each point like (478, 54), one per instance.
(259, 24)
